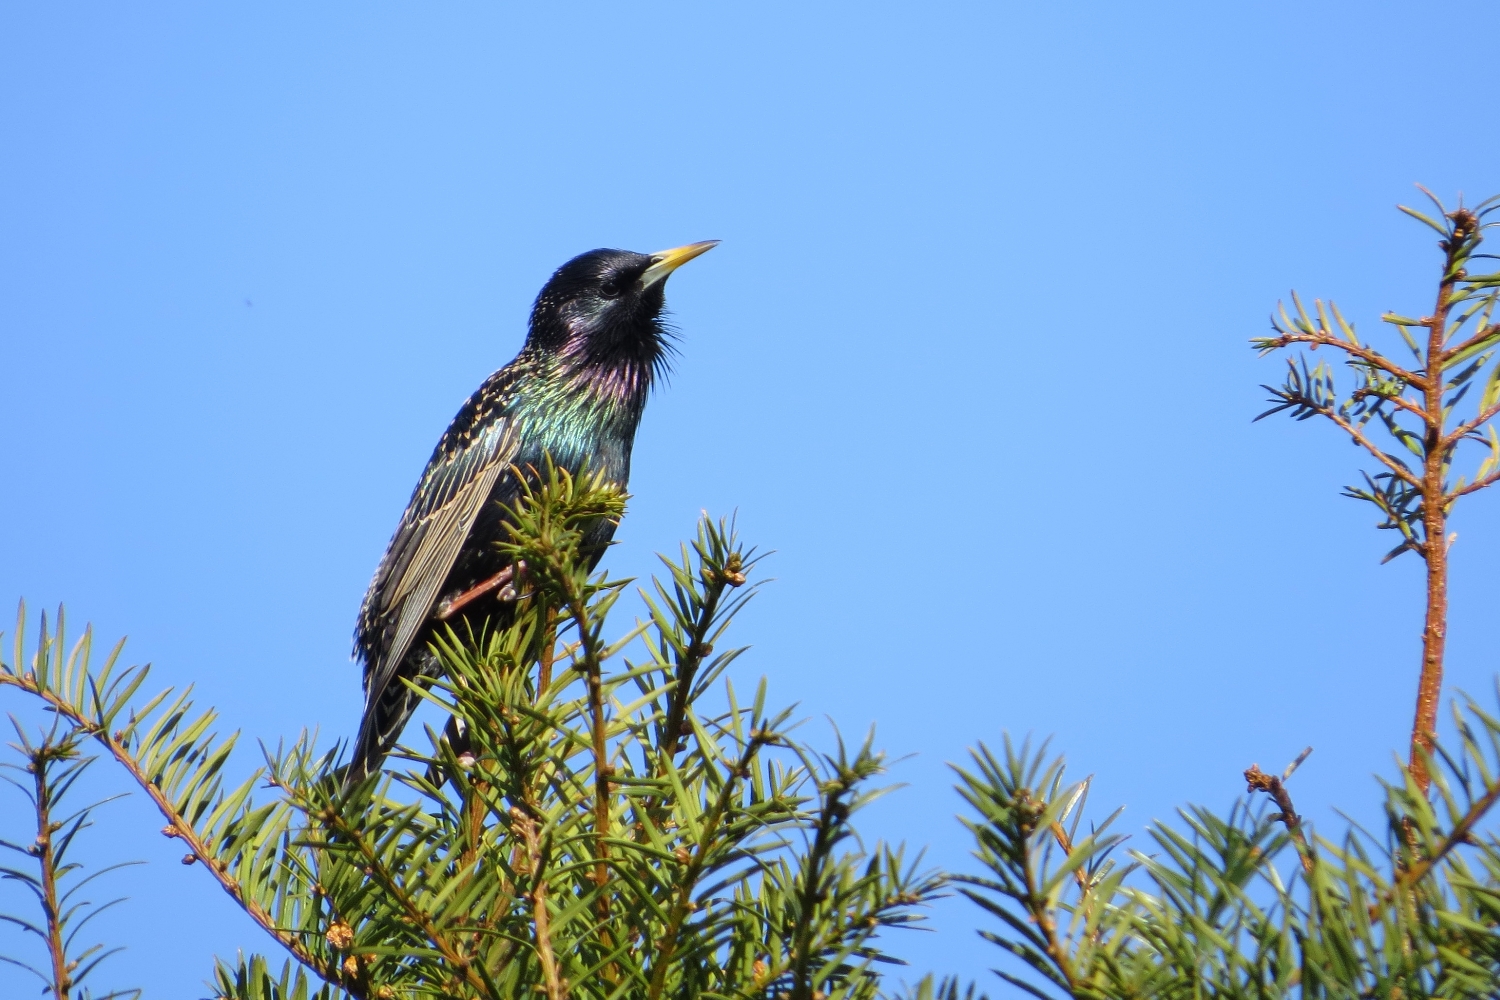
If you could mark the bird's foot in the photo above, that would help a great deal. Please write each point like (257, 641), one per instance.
(510, 591)
(504, 582)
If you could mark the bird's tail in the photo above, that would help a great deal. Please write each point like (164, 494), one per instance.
(385, 716)
(366, 760)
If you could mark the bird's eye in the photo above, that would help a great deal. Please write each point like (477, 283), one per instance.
(610, 289)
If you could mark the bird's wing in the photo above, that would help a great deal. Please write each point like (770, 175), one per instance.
(447, 501)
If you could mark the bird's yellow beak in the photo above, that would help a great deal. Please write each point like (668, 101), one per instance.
(664, 262)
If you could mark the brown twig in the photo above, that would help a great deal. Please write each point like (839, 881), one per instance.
(46, 855)
(811, 891)
(1475, 486)
(1325, 339)
(676, 727)
(593, 671)
(1410, 875)
(687, 669)
(1399, 470)
(1435, 504)
(1432, 441)
(1468, 427)
(1257, 780)
(1399, 402)
(537, 897)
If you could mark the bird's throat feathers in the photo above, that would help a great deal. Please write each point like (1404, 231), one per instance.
(614, 371)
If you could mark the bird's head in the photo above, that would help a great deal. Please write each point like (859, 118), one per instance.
(602, 310)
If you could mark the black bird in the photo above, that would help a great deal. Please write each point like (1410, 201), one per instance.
(575, 392)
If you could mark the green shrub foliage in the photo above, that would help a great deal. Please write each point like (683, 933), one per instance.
(605, 833)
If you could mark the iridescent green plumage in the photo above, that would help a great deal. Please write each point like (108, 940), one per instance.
(574, 397)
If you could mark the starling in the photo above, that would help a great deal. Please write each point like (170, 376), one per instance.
(575, 394)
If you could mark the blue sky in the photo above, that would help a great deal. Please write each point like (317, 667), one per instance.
(972, 359)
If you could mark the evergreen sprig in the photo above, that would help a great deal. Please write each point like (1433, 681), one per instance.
(1412, 418)
(53, 764)
(1243, 905)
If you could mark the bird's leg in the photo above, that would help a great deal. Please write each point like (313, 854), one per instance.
(450, 606)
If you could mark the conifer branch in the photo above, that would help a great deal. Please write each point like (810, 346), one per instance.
(46, 852)
(54, 764)
(178, 826)
(1444, 369)
(346, 834)
(697, 649)
(696, 859)
(1321, 338)
(1396, 467)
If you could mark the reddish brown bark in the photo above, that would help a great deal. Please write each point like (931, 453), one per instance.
(1437, 453)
